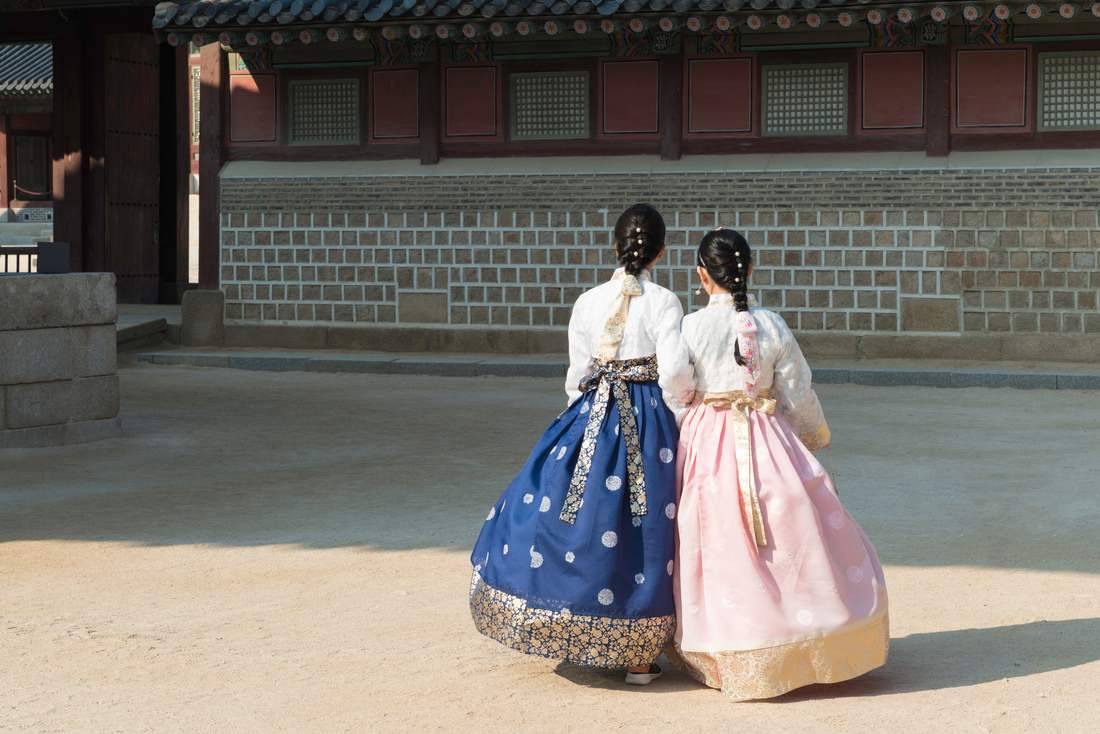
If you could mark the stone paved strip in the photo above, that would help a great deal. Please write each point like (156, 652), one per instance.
(451, 367)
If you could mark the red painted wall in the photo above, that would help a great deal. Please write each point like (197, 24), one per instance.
(472, 102)
(629, 97)
(4, 195)
(990, 89)
(720, 96)
(395, 104)
(252, 108)
(890, 91)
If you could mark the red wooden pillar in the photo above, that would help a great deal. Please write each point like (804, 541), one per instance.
(182, 140)
(5, 195)
(213, 108)
(938, 84)
(672, 106)
(68, 161)
(430, 112)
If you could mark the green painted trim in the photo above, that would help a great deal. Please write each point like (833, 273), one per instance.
(806, 46)
(569, 55)
(1035, 39)
(339, 65)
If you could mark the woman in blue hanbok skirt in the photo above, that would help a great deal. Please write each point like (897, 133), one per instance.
(575, 559)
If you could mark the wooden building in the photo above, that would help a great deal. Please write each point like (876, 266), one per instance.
(920, 178)
(118, 125)
(26, 89)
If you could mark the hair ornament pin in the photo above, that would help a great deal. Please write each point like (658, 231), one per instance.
(638, 230)
(637, 253)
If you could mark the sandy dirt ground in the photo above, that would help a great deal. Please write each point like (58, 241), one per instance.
(289, 553)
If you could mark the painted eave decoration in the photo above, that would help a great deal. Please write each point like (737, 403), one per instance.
(255, 22)
(26, 71)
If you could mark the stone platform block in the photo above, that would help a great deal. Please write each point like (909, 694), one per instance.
(64, 401)
(63, 435)
(48, 355)
(53, 301)
(202, 318)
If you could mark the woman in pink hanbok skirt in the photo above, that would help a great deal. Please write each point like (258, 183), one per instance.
(776, 586)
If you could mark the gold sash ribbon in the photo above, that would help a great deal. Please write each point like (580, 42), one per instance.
(610, 379)
(740, 404)
(615, 326)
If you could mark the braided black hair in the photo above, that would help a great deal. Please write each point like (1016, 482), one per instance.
(639, 237)
(726, 257)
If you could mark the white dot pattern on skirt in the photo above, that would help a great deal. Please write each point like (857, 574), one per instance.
(639, 578)
(653, 402)
(666, 455)
(569, 557)
(613, 482)
(606, 596)
(536, 559)
(670, 510)
(637, 522)
(528, 499)
(492, 514)
(561, 452)
(669, 568)
(544, 505)
(610, 539)
(505, 549)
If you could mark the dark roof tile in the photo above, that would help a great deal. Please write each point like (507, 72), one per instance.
(26, 70)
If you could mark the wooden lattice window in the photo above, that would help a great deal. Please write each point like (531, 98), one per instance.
(550, 105)
(324, 112)
(805, 99)
(1069, 90)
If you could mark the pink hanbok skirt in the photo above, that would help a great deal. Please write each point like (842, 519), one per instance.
(808, 607)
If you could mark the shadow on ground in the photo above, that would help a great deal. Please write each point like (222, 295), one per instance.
(921, 662)
(998, 478)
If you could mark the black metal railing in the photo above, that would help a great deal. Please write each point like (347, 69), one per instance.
(18, 259)
(43, 258)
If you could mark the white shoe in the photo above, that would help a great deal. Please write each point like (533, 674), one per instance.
(642, 679)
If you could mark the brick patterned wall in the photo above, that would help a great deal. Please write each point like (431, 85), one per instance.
(960, 251)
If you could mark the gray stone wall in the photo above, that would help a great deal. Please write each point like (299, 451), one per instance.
(58, 381)
(996, 258)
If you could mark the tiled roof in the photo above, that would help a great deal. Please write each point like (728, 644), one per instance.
(221, 13)
(26, 70)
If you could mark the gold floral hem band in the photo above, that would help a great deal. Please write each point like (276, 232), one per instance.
(603, 642)
(743, 675)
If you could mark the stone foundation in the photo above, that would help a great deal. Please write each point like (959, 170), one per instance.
(992, 260)
(58, 381)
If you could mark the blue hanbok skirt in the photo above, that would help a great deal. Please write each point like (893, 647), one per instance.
(596, 591)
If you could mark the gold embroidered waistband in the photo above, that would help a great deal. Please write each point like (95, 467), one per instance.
(610, 380)
(740, 404)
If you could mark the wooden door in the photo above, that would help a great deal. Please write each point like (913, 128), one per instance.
(132, 165)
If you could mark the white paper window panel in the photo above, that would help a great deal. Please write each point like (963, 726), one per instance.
(1069, 90)
(324, 112)
(550, 105)
(805, 99)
